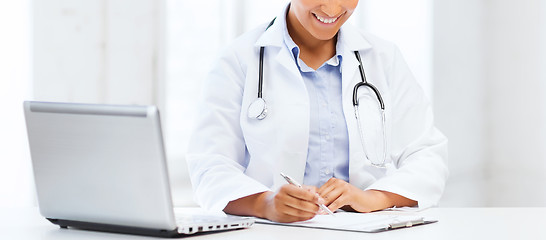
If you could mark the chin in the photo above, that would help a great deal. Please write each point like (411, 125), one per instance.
(324, 36)
(324, 33)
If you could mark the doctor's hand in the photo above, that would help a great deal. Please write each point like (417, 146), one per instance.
(292, 203)
(289, 204)
(340, 194)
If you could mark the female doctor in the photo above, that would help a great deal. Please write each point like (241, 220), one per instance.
(335, 108)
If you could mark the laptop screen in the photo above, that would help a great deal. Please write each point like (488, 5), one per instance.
(100, 163)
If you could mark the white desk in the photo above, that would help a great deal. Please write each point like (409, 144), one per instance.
(455, 223)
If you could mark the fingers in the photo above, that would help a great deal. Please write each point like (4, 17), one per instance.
(332, 189)
(295, 204)
(306, 193)
(338, 203)
(301, 199)
(317, 199)
(336, 193)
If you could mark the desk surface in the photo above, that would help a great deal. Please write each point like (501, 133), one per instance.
(454, 223)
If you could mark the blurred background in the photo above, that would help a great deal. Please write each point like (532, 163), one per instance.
(482, 63)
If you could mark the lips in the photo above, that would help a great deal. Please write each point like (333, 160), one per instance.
(326, 20)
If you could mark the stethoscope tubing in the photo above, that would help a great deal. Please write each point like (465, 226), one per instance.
(261, 72)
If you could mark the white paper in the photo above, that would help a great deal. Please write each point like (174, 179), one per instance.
(363, 222)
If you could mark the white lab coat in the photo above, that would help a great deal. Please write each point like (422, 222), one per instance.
(232, 156)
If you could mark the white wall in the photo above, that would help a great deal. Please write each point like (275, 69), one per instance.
(489, 91)
(16, 183)
(459, 99)
(409, 25)
(97, 51)
(516, 145)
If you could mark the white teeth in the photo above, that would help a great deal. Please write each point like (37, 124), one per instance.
(325, 20)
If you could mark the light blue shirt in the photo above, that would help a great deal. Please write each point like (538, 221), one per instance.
(328, 153)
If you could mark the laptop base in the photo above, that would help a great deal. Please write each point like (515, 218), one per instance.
(116, 228)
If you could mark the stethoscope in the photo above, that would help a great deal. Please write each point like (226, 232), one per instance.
(258, 108)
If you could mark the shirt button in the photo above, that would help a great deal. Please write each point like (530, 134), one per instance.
(327, 171)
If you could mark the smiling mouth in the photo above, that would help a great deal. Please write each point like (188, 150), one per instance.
(326, 20)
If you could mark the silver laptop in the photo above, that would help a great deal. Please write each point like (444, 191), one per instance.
(103, 167)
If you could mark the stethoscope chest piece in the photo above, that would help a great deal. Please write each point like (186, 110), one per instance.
(257, 109)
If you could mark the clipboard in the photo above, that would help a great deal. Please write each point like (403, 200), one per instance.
(358, 222)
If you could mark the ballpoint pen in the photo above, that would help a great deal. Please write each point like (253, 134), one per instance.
(293, 182)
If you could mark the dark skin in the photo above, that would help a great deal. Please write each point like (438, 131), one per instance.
(316, 39)
(289, 204)
(313, 51)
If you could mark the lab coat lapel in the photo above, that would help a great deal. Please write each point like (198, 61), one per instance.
(286, 59)
(273, 38)
(350, 40)
(349, 73)
(350, 76)
(295, 152)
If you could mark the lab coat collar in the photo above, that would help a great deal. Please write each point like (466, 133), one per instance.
(273, 36)
(351, 39)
